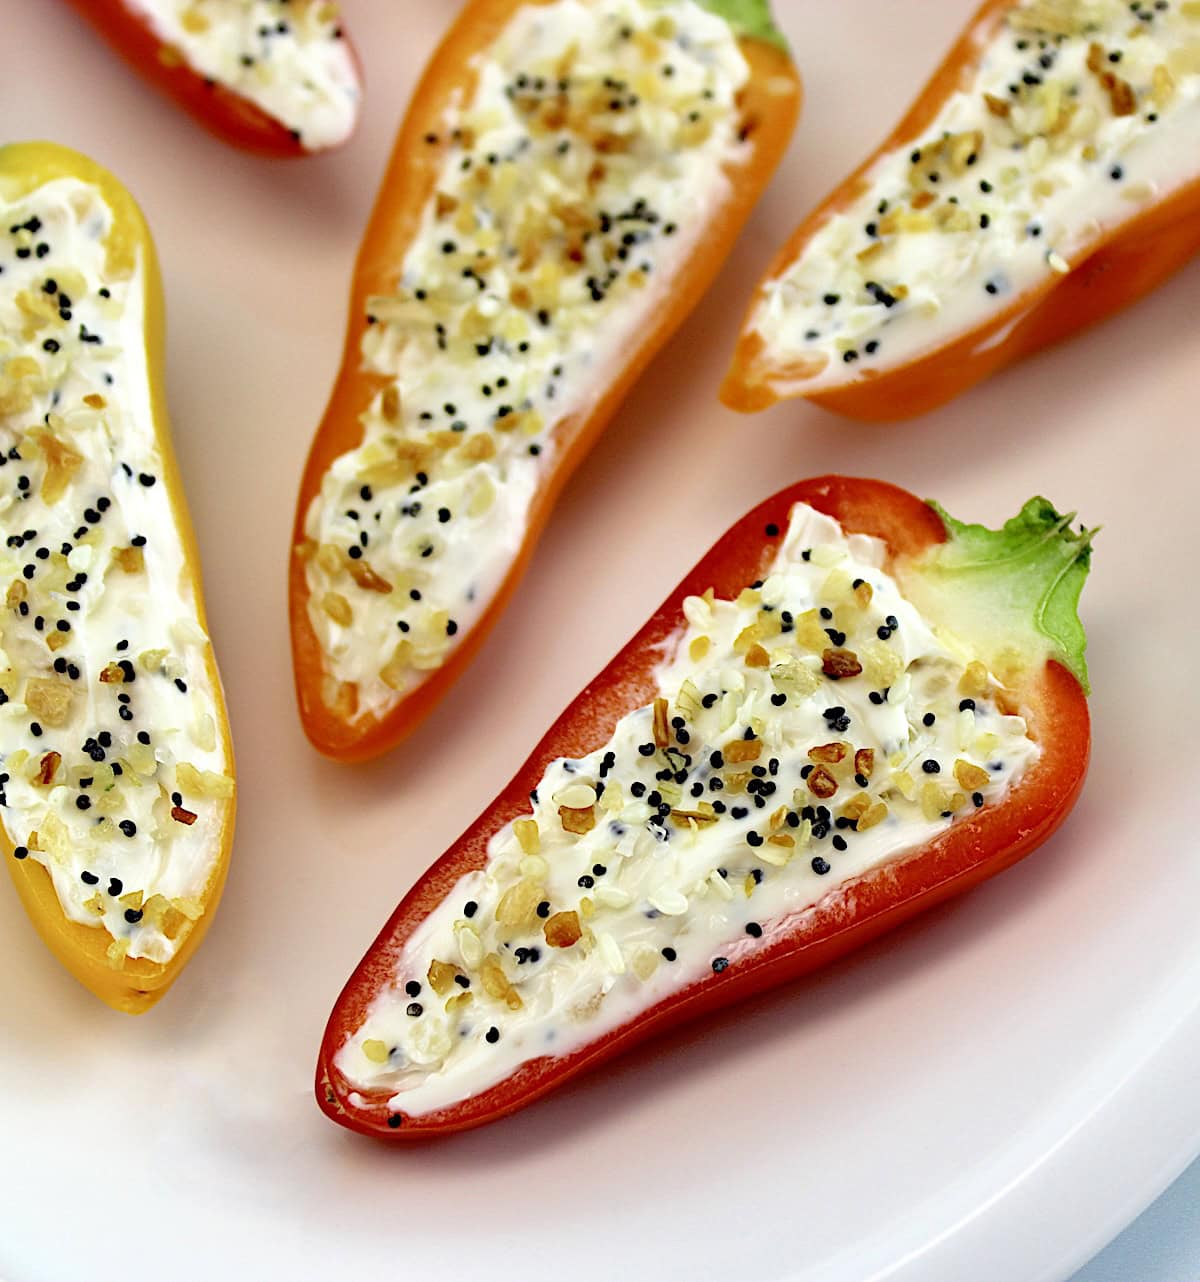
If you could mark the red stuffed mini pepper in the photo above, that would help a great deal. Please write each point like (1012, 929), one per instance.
(277, 77)
(853, 708)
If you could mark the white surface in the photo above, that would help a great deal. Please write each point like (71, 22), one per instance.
(988, 1095)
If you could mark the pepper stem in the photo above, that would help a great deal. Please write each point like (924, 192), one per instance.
(751, 18)
(1011, 595)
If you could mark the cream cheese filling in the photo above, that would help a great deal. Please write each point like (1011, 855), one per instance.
(114, 774)
(287, 57)
(754, 788)
(574, 183)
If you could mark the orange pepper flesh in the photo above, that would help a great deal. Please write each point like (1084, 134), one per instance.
(1119, 266)
(974, 849)
(770, 104)
(139, 982)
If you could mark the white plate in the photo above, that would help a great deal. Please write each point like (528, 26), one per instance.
(988, 1095)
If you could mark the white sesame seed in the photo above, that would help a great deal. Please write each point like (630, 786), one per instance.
(613, 897)
(610, 953)
(576, 796)
(671, 903)
(470, 947)
(720, 885)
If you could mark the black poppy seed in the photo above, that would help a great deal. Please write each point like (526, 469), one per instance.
(931, 767)
(820, 866)
(586, 882)
(414, 1009)
(128, 827)
(20, 852)
(143, 736)
(719, 964)
(470, 908)
(492, 1036)
(89, 878)
(133, 915)
(35, 729)
(977, 799)
(839, 842)
(754, 838)
(928, 719)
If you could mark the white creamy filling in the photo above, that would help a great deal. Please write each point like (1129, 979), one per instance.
(101, 637)
(666, 879)
(287, 57)
(1081, 113)
(574, 183)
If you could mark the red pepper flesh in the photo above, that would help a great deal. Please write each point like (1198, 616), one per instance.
(220, 109)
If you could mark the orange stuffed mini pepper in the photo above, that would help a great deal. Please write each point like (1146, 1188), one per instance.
(1044, 178)
(568, 180)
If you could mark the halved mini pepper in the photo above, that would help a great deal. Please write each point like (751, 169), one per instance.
(1043, 179)
(643, 769)
(268, 76)
(116, 766)
(565, 186)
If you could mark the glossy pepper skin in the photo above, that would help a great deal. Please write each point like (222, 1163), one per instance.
(1117, 267)
(973, 849)
(219, 108)
(137, 983)
(770, 105)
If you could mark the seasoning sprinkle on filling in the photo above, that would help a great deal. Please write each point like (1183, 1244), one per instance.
(1081, 113)
(805, 733)
(114, 774)
(287, 57)
(573, 182)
